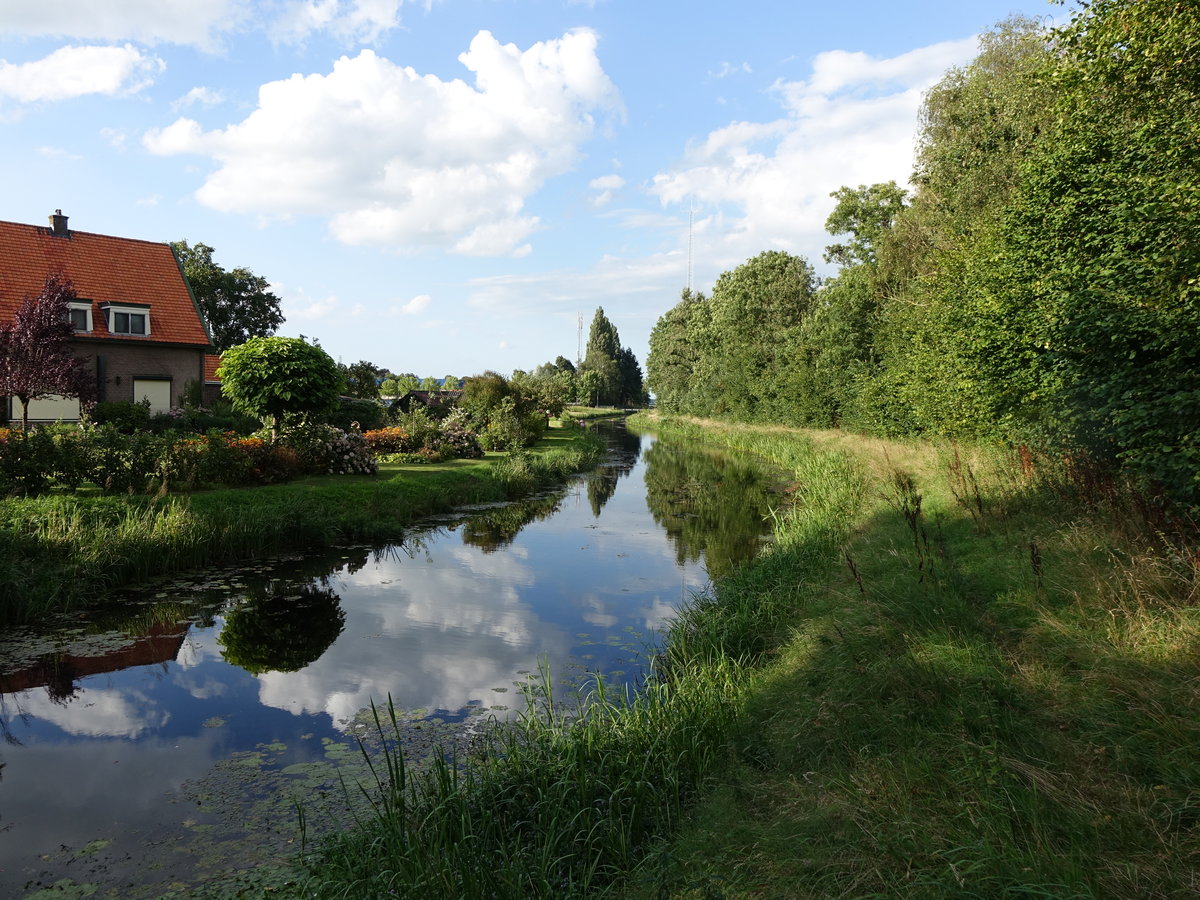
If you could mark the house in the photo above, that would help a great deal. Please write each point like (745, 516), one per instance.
(137, 324)
(437, 402)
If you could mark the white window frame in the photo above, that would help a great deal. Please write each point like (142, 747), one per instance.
(109, 317)
(81, 306)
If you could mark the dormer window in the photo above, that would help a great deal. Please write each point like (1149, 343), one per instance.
(127, 318)
(79, 314)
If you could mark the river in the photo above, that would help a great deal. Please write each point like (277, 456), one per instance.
(167, 740)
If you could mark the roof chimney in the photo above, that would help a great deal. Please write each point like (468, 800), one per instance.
(58, 224)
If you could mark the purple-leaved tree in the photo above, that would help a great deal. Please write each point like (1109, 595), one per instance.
(35, 357)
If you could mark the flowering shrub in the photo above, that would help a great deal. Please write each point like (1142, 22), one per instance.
(457, 439)
(386, 441)
(323, 448)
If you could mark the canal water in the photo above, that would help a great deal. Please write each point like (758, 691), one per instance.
(169, 741)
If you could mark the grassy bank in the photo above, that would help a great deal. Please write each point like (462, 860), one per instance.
(569, 800)
(588, 413)
(60, 550)
(953, 675)
(993, 694)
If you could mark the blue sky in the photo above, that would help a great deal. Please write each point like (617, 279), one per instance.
(443, 187)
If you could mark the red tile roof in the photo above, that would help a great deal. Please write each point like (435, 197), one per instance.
(211, 362)
(103, 269)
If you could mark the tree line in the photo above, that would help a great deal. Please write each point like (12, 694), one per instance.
(1039, 284)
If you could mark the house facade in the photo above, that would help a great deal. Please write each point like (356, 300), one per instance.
(137, 325)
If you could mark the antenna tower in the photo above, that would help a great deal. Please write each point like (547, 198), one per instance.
(579, 340)
(691, 223)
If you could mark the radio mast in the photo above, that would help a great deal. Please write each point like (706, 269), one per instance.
(691, 223)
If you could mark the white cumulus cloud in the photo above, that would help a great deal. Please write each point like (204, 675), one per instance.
(204, 96)
(364, 21)
(399, 159)
(71, 72)
(191, 22)
(416, 304)
(607, 185)
(766, 185)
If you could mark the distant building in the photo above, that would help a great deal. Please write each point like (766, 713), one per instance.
(434, 401)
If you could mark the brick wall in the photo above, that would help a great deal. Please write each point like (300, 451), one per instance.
(121, 363)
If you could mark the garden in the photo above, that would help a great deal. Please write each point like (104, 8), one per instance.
(270, 430)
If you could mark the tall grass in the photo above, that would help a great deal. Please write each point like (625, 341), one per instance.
(557, 804)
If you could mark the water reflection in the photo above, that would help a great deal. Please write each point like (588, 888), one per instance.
(626, 450)
(282, 630)
(494, 529)
(120, 713)
(712, 505)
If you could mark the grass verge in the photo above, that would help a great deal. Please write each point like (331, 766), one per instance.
(62, 550)
(993, 694)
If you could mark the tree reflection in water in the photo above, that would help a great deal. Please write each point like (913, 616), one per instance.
(494, 529)
(283, 629)
(625, 448)
(709, 503)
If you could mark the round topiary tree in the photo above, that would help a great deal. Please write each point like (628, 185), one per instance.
(279, 379)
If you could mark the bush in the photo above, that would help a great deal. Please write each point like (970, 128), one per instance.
(329, 450)
(26, 461)
(125, 462)
(506, 428)
(121, 415)
(220, 415)
(358, 414)
(457, 439)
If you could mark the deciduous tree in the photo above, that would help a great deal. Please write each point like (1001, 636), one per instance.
(36, 360)
(236, 304)
(279, 379)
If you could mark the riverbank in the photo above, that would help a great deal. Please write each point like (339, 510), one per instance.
(956, 673)
(59, 551)
(991, 693)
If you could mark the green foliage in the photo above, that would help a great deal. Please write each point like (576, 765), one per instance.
(281, 632)
(616, 377)
(676, 351)
(236, 305)
(361, 380)
(735, 353)
(121, 414)
(508, 429)
(360, 414)
(280, 379)
(1103, 241)
(867, 214)
(549, 389)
